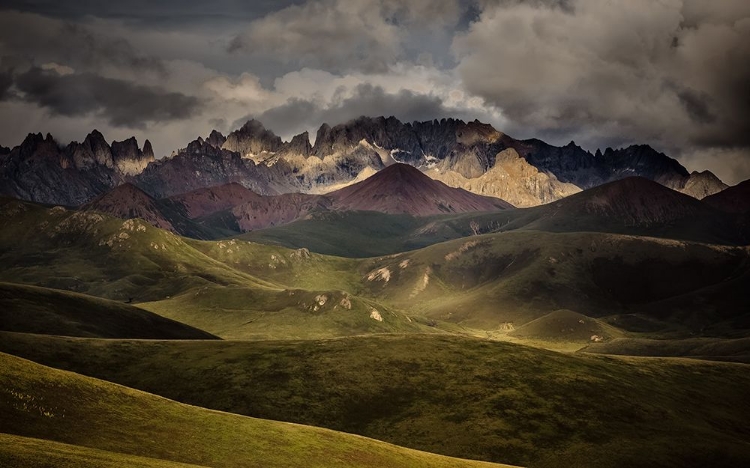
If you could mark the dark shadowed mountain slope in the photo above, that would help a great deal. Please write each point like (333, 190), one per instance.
(209, 200)
(203, 165)
(634, 205)
(277, 210)
(31, 309)
(735, 199)
(128, 201)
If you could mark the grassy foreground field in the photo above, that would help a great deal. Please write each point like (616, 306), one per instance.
(456, 396)
(104, 424)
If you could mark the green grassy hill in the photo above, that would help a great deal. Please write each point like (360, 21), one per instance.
(500, 281)
(566, 326)
(457, 396)
(360, 233)
(103, 256)
(231, 288)
(737, 350)
(246, 313)
(481, 284)
(31, 309)
(104, 422)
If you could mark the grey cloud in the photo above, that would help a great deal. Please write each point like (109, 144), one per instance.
(43, 39)
(697, 105)
(6, 81)
(347, 34)
(298, 115)
(121, 103)
(177, 11)
(670, 73)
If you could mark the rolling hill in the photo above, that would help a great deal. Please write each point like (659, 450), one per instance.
(79, 421)
(31, 309)
(234, 289)
(239, 289)
(632, 206)
(456, 396)
(493, 281)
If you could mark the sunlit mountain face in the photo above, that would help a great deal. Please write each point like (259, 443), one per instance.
(374, 233)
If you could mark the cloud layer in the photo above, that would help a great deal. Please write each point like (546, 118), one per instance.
(671, 73)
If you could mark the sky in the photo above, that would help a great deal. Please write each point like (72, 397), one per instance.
(674, 74)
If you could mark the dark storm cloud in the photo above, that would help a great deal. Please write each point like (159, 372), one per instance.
(297, 115)
(673, 73)
(697, 105)
(120, 102)
(174, 11)
(6, 81)
(45, 40)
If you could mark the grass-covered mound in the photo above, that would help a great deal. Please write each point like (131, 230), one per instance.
(456, 396)
(107, 424)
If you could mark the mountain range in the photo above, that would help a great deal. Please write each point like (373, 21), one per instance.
(469, 155)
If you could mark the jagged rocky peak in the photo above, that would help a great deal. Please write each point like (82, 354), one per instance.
(300, 144)
(216, 139)
(202, 147)
(645, 161)
(252, 139)
(389, 133)
(99, 148)
(94, 151)
(324, 134)
(148, 151)
(128, 158)
(35, 144)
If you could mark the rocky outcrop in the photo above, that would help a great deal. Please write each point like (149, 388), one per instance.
(299, 146)
(702, 184)
(216, 139)
(252, 139)
(512, 179)
(128, 159)
(40, 170)
(642, 161)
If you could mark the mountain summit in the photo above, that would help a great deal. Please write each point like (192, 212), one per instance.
(404, 189)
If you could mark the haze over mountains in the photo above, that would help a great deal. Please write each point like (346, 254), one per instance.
(472, 155)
